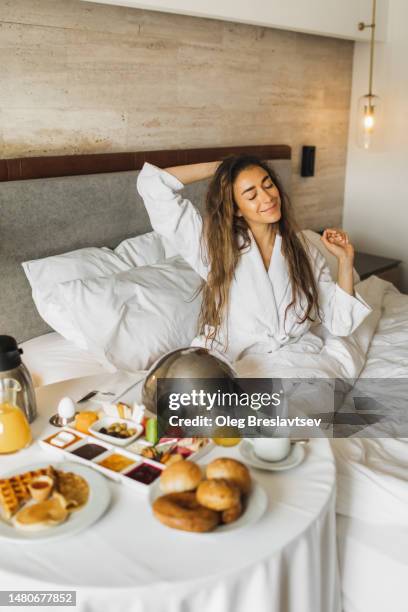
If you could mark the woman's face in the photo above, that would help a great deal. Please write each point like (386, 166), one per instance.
(256, 196)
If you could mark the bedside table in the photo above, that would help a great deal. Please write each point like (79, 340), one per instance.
(384, 267)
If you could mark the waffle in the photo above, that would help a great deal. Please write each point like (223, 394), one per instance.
(14, 491)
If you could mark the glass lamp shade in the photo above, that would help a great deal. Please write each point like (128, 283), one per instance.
(369, 108)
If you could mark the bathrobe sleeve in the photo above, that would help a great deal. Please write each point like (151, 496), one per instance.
(172, 216)
(341, 312)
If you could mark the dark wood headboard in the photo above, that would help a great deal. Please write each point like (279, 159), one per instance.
(25, 168)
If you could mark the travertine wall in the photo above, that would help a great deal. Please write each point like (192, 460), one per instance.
(78, 77)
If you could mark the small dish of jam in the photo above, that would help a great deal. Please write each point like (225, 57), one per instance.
(116, 462)
(144, 473)
(89, 451)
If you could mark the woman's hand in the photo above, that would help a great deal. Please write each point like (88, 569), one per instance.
(337, 242)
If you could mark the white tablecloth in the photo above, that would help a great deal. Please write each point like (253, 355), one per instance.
(128, 561)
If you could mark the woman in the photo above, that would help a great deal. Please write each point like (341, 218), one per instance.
(264, 285)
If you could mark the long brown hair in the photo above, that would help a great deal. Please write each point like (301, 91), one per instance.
(226, 235)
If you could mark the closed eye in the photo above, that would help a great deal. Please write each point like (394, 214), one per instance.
(269, 185)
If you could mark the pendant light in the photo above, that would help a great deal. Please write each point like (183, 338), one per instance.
(369, 104)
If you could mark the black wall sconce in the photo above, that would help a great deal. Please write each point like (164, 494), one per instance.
(308, 161)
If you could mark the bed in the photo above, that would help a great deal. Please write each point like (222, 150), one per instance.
(372, 486)
(73, 202)
(51, 358)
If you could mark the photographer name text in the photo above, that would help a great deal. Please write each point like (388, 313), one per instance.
(250, 420)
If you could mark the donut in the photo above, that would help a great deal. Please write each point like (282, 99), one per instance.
(218, 494)
(232, 470)
(232, 514)
(180, 477)
(182, 511)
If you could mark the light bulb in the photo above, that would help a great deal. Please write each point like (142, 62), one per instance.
(369, 121)
(367, 128)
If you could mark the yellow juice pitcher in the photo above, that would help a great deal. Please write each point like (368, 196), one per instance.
(15, 432)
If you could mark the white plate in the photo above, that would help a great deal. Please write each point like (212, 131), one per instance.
(256, 504)
(106, 421)
(99, 497)
(295, 457)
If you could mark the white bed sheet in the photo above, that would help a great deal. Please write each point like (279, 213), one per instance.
(51, 358)
(372, 474)
(372, 487)
(373, 566)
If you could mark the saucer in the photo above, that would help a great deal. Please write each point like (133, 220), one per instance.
(295, 457)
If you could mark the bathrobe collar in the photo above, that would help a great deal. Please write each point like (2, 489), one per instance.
(279, 275)
(262, 287)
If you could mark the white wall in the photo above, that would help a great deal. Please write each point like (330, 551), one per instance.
(376, 193)
(337, 18)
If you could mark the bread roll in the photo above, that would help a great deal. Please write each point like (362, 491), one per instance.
(232, 514)
(180, 477)
(232, 470)
(218, 494)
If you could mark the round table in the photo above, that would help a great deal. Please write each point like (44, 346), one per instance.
(286, 562)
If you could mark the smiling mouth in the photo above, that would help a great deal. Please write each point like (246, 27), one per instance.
(271, 207)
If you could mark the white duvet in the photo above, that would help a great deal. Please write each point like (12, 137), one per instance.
(372, 474)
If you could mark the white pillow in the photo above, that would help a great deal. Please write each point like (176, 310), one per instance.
(44, 275)
(132, 318)
(145, 250)
(331, 259)
(50, 359)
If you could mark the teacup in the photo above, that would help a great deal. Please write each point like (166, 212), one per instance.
(271, 449)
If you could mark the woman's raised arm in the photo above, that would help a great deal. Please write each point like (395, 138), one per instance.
(342, 310)
(172, 216)
(193, 172)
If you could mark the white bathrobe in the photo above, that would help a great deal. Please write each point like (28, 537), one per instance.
(258, 298)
